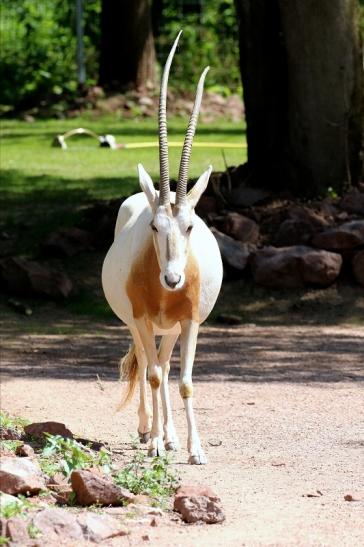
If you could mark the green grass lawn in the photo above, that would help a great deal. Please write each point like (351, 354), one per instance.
(44, 188)
(30, 164)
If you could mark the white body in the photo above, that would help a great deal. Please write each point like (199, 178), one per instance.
(131, 233)
(162, 275)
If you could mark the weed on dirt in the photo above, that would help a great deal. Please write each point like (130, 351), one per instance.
(58, 455)
(66, 455)
(154, 478)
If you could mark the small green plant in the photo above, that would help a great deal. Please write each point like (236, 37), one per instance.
(9, 446)
(134, 439)
(14, 508)
(12, 422)
(152, 478)
(4, 540)
(33, 530)
(332, 193)
(65, 455)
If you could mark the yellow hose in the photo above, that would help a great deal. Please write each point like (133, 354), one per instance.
(175, 144)
(60, 141)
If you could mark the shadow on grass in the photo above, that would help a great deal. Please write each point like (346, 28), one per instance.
(250, 354)
(33, 206)
(16, 187)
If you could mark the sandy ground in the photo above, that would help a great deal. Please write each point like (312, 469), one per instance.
(280, 412)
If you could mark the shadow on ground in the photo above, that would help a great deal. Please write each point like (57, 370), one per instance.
(240, 354)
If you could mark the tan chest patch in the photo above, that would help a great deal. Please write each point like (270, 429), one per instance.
(151, 300)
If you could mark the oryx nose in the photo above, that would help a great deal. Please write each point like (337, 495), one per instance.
(172, 280)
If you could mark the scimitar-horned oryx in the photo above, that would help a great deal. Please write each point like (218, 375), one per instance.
(162, 276)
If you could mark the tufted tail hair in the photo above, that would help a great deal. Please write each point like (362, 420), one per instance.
(129, 372)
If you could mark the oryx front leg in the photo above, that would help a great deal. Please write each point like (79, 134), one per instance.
(145, 331)
(189, 332)
(165, 351)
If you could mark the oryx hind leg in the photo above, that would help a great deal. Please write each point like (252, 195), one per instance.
(144, 411)
(189, 332)
(165, 351)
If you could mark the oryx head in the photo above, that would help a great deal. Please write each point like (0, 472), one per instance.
(173, 223)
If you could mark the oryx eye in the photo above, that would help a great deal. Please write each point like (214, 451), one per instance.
(153, 228)
(189, 228)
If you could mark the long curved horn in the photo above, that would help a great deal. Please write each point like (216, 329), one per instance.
(162, 124)
(187, 145)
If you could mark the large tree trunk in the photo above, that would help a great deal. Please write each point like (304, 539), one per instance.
(302, 72)
(127, 56)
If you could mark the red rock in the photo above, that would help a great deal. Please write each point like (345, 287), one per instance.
(344, 237)
(234, 253)
(357, 496)
(61, 488)
(246, 196)
(198, 504)
(206, 206)
(17, 531)
(9, 434)
(295, 266)
(302, 223)
(38, 429)
(25, 277)
(328, 208)
(358, 267)
(241, 228)
(100, 220)
(20, 475)
(97, 528)
(58, 524)
(293, 232)
(195, 490)
(25, 450)
(316, 219)
(353, 202)
(91, 488)
(67, 242)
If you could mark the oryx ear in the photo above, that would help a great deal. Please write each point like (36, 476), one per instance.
(147, 186)
(198, 189)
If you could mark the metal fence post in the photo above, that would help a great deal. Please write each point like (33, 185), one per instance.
(81, 68)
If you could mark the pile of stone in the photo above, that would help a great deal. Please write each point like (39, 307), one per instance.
(61, 513)
(279, 242)
(282, 244)
(22, 277)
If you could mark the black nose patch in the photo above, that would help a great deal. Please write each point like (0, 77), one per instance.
(172, 284)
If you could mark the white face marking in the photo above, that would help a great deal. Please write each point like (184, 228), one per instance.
(171, 233)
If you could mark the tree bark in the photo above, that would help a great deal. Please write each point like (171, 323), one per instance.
(127, 53)
(302, 72)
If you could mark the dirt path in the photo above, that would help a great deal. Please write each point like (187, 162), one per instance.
(286, 404)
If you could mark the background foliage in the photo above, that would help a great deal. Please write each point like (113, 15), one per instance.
(209, 38)
(38, 61)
